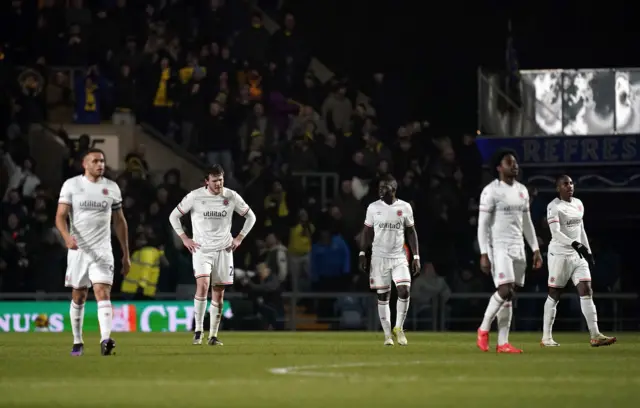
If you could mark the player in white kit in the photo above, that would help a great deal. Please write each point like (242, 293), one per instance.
(502, 221)
(569, 259)
(387, 220)
(212, 246)
(89, 202)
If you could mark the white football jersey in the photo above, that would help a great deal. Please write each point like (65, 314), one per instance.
(211, 216)
(568, 214)
(507, 203)
(91, 206)
(388, 223)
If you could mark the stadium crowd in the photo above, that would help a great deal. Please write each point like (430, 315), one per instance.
(210, 76)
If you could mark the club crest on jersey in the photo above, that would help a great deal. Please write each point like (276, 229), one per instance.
(105, 191)
(225, 202)
(399, 213)
(580, 207)
(522, 195)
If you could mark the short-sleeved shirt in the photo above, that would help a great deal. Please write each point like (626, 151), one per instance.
(389, 223)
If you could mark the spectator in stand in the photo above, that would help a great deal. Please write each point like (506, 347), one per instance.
(252, 44)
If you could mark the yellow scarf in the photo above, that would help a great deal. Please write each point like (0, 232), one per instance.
(161, 98)
(90, 98)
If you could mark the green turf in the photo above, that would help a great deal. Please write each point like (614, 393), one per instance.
(347, 370)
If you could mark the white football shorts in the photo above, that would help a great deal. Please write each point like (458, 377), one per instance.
(85, 268)
(565, 267)
(218, 265)
(508, 264)
(385, 270)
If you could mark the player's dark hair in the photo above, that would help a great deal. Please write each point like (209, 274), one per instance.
(94, 150)
(560, 178)
(388, 178)
(215, 171)
(497, 158)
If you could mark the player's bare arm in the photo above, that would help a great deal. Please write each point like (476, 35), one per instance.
(122, 232)
(249, 222)
(176, 224)
(366, 239)
(62, 215)
(412, 241)
(485, 216)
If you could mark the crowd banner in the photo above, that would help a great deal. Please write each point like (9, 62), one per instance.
(143, 316)
(584, 102)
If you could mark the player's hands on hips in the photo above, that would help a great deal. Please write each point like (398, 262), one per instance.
(126, 264)
(415, 267)
(362, 262)
(485, 264)
(235, 243)
(71, 242)
(537, 260)
(190, 245)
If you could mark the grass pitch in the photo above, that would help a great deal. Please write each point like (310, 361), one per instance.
(307, 370)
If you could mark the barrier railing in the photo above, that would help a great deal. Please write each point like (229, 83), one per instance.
(358, 311)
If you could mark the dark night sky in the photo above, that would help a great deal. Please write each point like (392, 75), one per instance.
(434, 51)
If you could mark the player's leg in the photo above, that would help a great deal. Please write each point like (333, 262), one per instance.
(380, 281)
(101, 276)
(558, 278)
(222, 275)
(503, 279)
(402, 279)
(582, 280)
(505, 314)
(202, 266)
(77, 278)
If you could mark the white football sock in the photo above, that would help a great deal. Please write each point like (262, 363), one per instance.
(199, 310)
(590, 315)
(550, 309)
(504, 322)
(384, 312)
(492, 310)
(402, 306)
(76, 313)
(105, 318)
(215, 315)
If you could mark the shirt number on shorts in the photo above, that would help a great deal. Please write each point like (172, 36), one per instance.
(231, 271)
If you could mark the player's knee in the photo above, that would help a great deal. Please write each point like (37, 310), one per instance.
(102, 292)
(217, 293)
(506, 291)
(584, 289)
(403, 291)
(79, 296)
(383, 296)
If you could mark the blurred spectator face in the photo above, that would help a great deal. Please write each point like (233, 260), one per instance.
(276, 187)
(407, 180)
(131, 45)
(41, 217)
(162, 195)
(383, 167)
(256, 21)
(13, 221)
(360, 110)
(307, 110)
(308, 81)
(129, 202)
(263, 271)
(303, 216)
(335, 212)
(405, 145)
(94, 164)
(466, 275)
(468, 139)
(330, 140)
(42, 22)
(74, 30)
(244, 92)
(289, 22)
(125, 70)
(40, 204)
(224, 76)
(448, 155)
(225, 53)
(403, 132)
(325, 238)
(215, 3)
(215, 108)
(164, 63)
(342, 91)
(14, 196)
(358, 158)
(346, 187)
(77, 3)
(271, 241)
(154, 209)
(215, 48)
(215, 183)
(258, 109)
(378, 77)
(121, 3)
